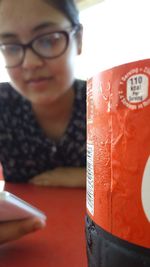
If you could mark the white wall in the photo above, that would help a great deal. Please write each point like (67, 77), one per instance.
(3, 74)
(115, 32)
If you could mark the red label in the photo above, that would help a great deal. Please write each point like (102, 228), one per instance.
(118, 151)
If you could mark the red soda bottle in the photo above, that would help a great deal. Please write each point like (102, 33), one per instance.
(118, 167)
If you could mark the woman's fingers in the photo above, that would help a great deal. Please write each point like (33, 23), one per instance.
(15, 229)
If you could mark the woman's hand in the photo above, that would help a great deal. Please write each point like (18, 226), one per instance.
(13, 230)
(64, 176)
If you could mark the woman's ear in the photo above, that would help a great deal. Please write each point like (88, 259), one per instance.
(79, 36)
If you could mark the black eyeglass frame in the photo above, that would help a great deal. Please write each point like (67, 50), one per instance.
(29, 45)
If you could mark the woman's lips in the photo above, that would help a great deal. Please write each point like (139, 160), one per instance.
(39, 82)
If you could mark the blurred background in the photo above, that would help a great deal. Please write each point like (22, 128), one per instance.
(115, 32)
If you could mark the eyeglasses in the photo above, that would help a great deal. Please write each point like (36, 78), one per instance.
(49, 46)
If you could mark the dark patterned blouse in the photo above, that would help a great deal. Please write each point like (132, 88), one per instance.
(25, 150)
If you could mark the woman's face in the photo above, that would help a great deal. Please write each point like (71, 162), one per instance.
(38, 79)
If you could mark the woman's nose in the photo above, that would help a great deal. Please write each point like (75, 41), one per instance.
(31, 60)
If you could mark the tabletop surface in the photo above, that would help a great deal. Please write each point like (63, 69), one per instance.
(62, 242)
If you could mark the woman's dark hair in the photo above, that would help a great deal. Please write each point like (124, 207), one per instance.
(68, 8)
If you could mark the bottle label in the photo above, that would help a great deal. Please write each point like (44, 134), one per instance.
(118, 151)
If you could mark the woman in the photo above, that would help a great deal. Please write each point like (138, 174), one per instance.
(42, 110)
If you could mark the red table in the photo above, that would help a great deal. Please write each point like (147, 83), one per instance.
(62, 242)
